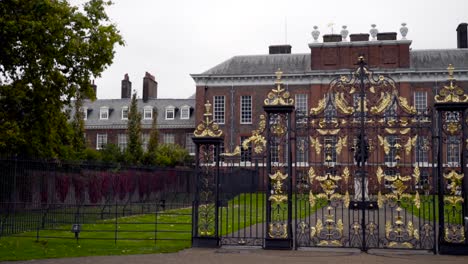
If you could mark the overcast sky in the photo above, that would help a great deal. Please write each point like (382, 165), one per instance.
(172, 39)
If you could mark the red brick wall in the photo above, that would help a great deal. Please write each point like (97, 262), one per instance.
(345, 57)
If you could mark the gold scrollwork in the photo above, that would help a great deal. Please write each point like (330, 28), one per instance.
(208, 128)
(332, 132)
(451, 93)
(279, 96)
(315, 143)
(382, 104)
(278, 230)
(342, 105)
(411, 143)
(342, 142)
(278, 195)
(403, 102)
(320, 107)
(383, 142)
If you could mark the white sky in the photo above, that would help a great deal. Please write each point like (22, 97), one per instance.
(172, 39)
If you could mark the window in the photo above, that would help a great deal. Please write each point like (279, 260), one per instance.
(423, 181)
(246, 109)
(122, 141)
(104, 113)
(302, 149)
(101, 141)
(170, 113)
(357, 107)
(390, 113)
(420, 102)
(125, 113)
(148, 113)
(453, 151)
(185, 112)
(392, 154)
(392, 173)
(218, 114)
(301, 106)
(145, 141)
(169, 138)
(246, 154)
(275, 149)
(422, 148)
(330, 109)
(189, 145)
(330, 150)
(84, 112)
(452, 117)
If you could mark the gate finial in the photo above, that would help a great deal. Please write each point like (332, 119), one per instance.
(279, 96)
(451, 93)
(208, 127)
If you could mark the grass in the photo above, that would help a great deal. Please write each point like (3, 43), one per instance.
(135, 235)
(248, 209)
(452, 215)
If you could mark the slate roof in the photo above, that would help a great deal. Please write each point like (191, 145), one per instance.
(300, 63)
(439, 59)
(115, 113)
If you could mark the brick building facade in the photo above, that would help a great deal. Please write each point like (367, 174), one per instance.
(238, 86)
(106, 119)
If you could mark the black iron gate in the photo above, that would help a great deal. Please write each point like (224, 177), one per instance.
(363, 169)
(368, 182)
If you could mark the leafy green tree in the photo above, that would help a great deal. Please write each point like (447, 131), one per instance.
(111, 154)
(134, 152)
(49, 52)
(77, 125)
(154, 134)
(168, 155)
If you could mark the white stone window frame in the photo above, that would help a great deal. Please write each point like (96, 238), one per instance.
(101, 141)
(147, 113)
(122, 141)
(168, 136)
(170, 109)
(84, 110)
(104, 113)
(185, 112)
(125, 113)
(420, 101)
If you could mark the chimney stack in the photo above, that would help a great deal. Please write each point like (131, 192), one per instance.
(126, 87)
(279, 49)
(150, 87)
(462, 36)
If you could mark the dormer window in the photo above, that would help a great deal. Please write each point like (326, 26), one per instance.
(84, 112)
(170, 113)
(125, 113)
(185, 112)
(104, 113)
(148, 113)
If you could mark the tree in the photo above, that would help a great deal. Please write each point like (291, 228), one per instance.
(134, 151)
(49, 52)
(77, 125)
(154, 134)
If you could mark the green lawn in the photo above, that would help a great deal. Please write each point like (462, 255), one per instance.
(249, 209)
(174, 234)
(133, 234)
(451, 215)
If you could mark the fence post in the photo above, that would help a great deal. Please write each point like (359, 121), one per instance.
(116, 222)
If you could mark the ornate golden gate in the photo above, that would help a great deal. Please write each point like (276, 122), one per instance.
(368, 182)
(363, 169)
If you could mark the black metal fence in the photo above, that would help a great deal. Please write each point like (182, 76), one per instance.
(48, 199)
